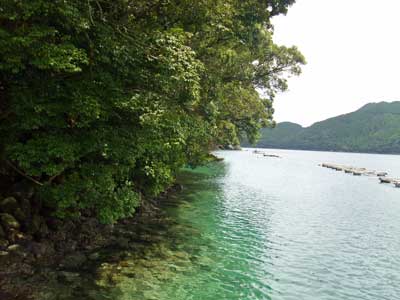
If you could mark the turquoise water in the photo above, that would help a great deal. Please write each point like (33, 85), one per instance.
(254, 227)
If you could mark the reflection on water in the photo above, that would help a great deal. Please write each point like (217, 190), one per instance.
(254, 227)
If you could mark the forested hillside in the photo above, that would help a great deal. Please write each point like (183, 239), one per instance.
(102, 102)
(373, 128)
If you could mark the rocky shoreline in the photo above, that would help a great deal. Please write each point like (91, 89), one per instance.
(33, 244)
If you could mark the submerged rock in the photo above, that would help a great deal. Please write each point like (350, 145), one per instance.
(42, 249)
(69, 276)
(74, 261)
(122, 242)
(94, 256)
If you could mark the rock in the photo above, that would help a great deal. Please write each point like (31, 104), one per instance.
(94, 256)
(14, 247)
(4, 259)
(26, 269)
(38, 226)
(17, 237)
(122, 242)
(40, 250)
(43, 230)
(54, 223)
(17, 250)
(23, 190)
(9, 205)
(9, 222)
(26, 206)
(74, 261)
(69, 276)
(3, 244)
(2, 233)
(69, 246)
(34, 225)
(19, 215)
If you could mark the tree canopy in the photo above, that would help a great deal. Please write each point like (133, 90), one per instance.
(102, 102)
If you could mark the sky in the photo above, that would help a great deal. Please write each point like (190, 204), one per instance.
(352, 48)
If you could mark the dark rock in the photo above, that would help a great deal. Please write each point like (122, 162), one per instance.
(17, 250)
(49, 274)
(43, 249)
(3, 244)
(69, 246)
(9, 205)
(34, 225)
(43, 230)
(68, 226)
(17, 237)
(22, 190)
(4, 259)
(26, 269)
(38, 226)
(20, 215)
(25, 205)
(54, 223)
(69, 276)
(90, 224)
(2, 233)
(122, 242)
(94, 256)
(74, 261)
(9, 222)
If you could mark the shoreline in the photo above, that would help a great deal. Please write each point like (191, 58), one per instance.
(327, 151)
(63, 247)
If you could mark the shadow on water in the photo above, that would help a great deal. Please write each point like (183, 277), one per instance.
(162, 252)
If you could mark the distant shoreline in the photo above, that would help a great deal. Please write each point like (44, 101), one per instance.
(347, 152)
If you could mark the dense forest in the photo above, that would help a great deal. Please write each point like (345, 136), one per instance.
(373, 128)
(102, 102)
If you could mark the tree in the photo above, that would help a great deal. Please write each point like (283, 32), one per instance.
(102, 102)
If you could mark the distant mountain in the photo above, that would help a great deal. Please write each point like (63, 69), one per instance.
(375, 128)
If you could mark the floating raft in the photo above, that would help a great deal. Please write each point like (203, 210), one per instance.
(388, 180)
(271, 155)
(363, 171)
(266, 154)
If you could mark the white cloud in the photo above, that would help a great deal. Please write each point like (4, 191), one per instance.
(353, 52)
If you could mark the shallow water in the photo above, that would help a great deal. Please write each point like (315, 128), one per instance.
(254, 227)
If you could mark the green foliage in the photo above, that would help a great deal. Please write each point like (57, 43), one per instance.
(373, 128)
(102, 102)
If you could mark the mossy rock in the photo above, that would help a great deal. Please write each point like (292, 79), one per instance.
(9, 222)
(9, 205)
(3, 244)
(74, 261)
(20, 215)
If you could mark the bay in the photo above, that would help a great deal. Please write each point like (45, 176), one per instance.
(255, 227)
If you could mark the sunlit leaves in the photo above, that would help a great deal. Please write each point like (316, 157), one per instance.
(104, 101)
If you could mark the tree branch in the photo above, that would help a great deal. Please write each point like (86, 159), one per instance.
(23, 174)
